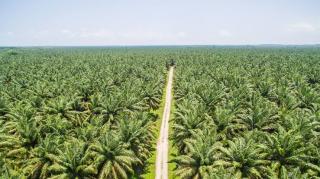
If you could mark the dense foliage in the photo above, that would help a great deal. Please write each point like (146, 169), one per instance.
(248, 113)
(77, 112)
(90, 112)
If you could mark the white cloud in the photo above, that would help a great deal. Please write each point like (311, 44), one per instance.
(129, 36)
(10, 33)
(102, 33)
(68, 33)
(182, 34)
(65, 31)
(225, 33)
(41, 34)
(302, 27)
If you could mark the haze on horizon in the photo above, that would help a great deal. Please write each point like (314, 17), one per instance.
(158, 22)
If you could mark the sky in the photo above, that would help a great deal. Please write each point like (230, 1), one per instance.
(158, 22)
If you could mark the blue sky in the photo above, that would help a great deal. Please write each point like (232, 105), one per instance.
(158, 22)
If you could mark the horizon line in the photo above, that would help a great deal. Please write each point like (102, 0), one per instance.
(163, 45)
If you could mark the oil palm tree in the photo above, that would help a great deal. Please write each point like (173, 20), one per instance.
(220, 173)
(189, 117)
(181, 89)
(265, 87)
(283, 173)
(22, 135)
(285, 98)
(77, 106)
(85, 90)
(227, 122)
(86, 133)
(211, 94)
(41, 89)
(2, 163)
(18, 115)
(42, 157)
(72, 161)
(11, 174)
(54, 124)
(137, 135)
(3, 107)
(112, 107)
(261, 114)
(244, 157)
(201, 158)
(131, 102)
(287, 148)
(152, 96)
(308, 98)
(303, 123)
(112, 158)
(79, 119)
(95, 105)
(59, 106)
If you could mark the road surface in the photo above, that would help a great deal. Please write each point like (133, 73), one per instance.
(162, 144)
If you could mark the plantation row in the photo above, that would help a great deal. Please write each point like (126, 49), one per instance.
(247, 113)
(77, 113)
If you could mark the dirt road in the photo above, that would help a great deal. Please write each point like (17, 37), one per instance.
(162, 144)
